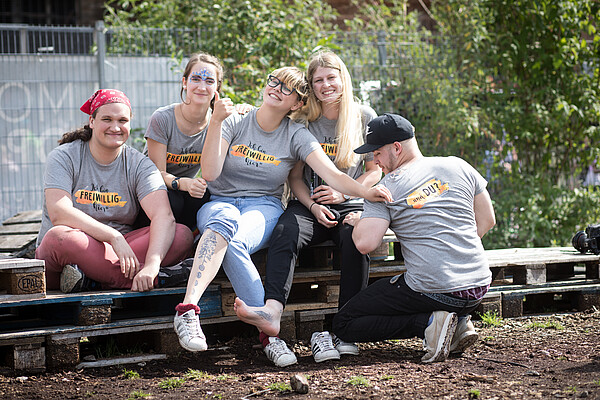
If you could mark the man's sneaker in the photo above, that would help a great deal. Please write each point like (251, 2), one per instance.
(344, 348)
(73, 280)
(438, 336)
(175, 275)
(278, 352)
(322, 347)
(465, 335)
(187, 327)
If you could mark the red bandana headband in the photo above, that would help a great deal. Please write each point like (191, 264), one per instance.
(102, 97)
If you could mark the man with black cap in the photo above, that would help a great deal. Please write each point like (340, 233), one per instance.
(440, 211)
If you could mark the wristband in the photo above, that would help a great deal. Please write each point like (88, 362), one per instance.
(310, 208)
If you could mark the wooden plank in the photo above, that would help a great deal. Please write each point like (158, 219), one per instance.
(10, 243)
(21, 263)
(16, 229)
(24, 217)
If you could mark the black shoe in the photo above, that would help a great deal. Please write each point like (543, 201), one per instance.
(175, 275)
(73, 280)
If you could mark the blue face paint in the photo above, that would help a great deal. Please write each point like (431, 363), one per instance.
(203, 75)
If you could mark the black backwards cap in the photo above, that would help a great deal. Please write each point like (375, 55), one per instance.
(386, 129)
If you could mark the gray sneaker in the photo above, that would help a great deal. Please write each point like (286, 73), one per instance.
(278, 352)
(438, 336)
(344, 348)
(322, 347)
(465, 335)
(189, 333)
(73, 280)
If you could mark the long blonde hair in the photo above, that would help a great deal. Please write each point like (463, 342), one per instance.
(349, 127)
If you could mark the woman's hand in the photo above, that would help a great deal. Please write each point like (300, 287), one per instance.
(144, 279)
(196, 187)
(243, 108)
(127, 258)
(352, 218)
(223, 108)
(323, 215)
(327, 195)
(379, 193)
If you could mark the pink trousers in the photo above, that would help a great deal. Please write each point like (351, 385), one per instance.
(63, 245)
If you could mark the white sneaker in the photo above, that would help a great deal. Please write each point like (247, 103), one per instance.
(278, 352)
(322, 347)
(344, 348)
(465, 335)
(438, 336)
(187, 327)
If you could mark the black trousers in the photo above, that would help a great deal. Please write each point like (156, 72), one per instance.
(183, 206)
(298, 228)
(389, 309)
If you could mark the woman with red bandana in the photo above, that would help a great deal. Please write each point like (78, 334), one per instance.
(94, 187)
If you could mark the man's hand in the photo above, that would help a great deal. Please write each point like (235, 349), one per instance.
(352, 218)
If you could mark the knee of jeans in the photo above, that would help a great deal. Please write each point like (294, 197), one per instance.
(222, 220)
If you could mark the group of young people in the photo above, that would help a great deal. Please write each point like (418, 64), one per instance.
(114, 218)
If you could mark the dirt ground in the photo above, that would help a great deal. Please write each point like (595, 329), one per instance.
(552, 356)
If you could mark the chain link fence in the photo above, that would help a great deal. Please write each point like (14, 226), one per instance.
(48, 72)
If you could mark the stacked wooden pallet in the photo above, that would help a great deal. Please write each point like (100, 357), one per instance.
(40, 328)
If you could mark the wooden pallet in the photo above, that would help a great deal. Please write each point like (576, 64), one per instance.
(18, 234)
(21, 278)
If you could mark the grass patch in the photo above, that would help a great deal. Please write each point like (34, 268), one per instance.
(128, 374)
(358, 380)
(280, 387)
(225, 377)
(137, 394)
(491, 318)
(171, 383)
(197, 375)
(549, 324)
(387, 377)
(474, 393)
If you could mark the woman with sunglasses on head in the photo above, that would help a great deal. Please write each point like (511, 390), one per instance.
(319, 212)
(246, 162)
(94, 187)
(175, 137)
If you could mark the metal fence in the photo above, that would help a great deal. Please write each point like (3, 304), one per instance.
(48, 72)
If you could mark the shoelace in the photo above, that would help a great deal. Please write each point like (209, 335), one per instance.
(322, 342)
(278, 347)
(191, 325)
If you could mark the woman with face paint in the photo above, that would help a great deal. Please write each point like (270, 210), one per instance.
(246, 161)
(175, 137)
(94, 187)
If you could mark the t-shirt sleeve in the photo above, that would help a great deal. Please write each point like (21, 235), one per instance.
(303, 143)
(60, 170)
(158, 127)
(479, 182)
(228, 129)
(376, 210)
(148, 178)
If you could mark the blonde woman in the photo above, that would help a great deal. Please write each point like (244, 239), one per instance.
(338, 122)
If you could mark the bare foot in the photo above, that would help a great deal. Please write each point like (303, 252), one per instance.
(265, 318)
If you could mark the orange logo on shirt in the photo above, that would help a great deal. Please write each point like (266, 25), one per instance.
(190, 159)
(330, 149)
(103, 198)
(426, 192)
(244, 151)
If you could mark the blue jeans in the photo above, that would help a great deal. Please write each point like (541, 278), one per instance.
(246, 223)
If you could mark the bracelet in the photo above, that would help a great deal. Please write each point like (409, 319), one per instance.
(310, 208)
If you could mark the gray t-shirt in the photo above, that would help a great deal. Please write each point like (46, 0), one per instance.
(108, 193)
(432, 216)
(183, 151)
(258, 162)
(323, 130)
